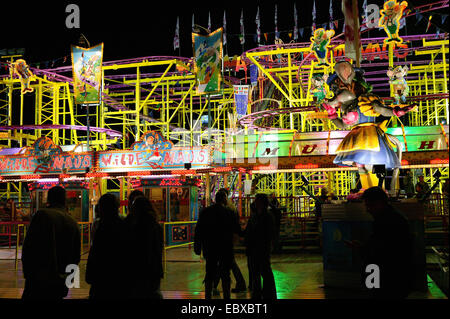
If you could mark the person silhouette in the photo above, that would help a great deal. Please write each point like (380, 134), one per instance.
(52, 243)
(389, 247)
(106, 260)
(241, 285)
(214, 233)
(260, 233)
(146, 246)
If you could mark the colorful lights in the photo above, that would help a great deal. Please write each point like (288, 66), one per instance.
(439, 161)
(306, 166)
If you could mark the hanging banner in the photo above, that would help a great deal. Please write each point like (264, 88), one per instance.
(241, 99)
(253, 74)
(87, 73)
(208, 61)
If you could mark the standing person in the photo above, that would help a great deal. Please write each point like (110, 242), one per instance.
(107, 254)
(241, 286)
(146, 248)
(51, 244)
(132, 196)
(214, 233)
(259, 238)
(421, 187)
(389, 247)
(276, 212)
(408, 184)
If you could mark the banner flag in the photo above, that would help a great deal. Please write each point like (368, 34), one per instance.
(241, 99)
(208, 61)
(87, 73)
(176, 39)
(253, 74)
(242, 35)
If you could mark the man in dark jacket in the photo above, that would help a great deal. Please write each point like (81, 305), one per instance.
(51, 244)
(259, 236)
(214, 232)
(389, 247)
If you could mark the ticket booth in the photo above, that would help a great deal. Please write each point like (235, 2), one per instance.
(77, 199)
(176, 202)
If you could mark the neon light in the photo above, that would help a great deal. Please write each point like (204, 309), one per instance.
(31, 176)
(439, 161)
(170, 182)
(265, 167)
(309, 165)
(222, 169)
(404, 162)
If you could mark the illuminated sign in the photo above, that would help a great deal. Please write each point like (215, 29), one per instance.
(143, 160)
(25, 165)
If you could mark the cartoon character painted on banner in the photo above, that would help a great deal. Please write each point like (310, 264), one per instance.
(367, 143)
(319, 44)
(43, 149)
(397, 79)
(20, 68)
(154, 144)
(390, 17)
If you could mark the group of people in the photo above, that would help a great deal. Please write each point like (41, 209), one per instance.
(217, 231)
(125, 259)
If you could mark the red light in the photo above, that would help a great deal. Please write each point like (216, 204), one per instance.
(183, 172)
(404, 162)
(439, 161)
(309, 165)
(32, 176)
(139, 173)
(170, 182)
(222, 169)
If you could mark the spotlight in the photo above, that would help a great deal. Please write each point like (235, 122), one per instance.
(187, 165)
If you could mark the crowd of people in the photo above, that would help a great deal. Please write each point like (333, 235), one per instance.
(125, 258)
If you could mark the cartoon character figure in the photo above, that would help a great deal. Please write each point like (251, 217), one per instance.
(366, 144)
(44, 150)
(21, 68)
(319, 87)
(390, 17)
(153, 144)
(320, 42)
(397, 79)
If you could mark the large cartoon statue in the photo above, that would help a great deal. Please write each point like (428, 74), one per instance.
(20, 67)
(397, 79)
(319, 44)
(366, 144)
(390, 17)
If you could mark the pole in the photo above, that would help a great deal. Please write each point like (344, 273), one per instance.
(356, 29)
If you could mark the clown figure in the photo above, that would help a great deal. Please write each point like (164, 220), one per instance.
(319, 44)
(389, 20)
(397, 79)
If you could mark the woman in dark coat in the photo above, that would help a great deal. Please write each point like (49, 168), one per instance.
(106, 262)
(146, 247)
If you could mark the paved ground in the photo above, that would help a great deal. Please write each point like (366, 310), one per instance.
(297, 276)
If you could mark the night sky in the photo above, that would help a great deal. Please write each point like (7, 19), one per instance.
(146, 28)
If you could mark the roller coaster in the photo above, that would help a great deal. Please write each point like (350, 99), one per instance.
(157, 93)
